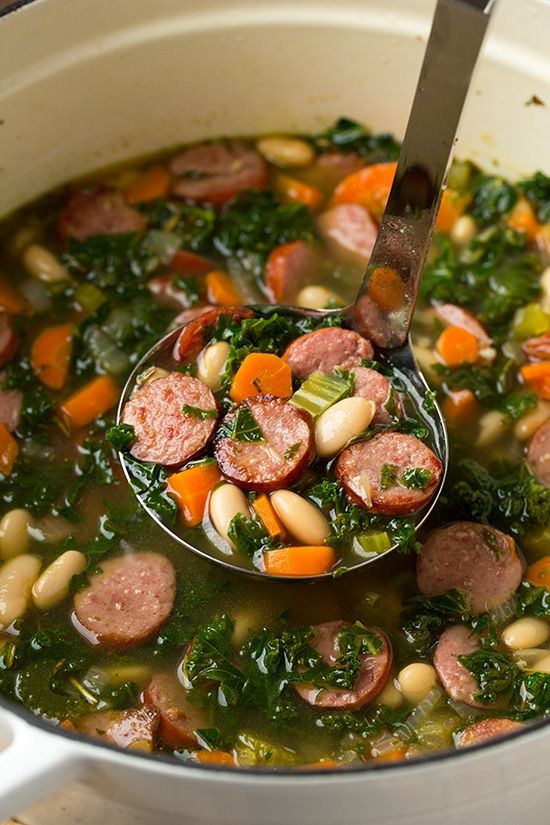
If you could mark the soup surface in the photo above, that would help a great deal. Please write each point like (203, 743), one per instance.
(112, 629)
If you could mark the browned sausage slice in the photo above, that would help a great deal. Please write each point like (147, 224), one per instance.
(280, 458)
(165, 434)
(8, 339)
(537, 349)
(178, 717)
(216, 172)
(198, 330)
(127, 602)
(375, 473)
(455, 678)
(98, 212)
(474, 558)
(349, 231)
(133, 729)
(10, 408)
(538, 454)
(327, 348)
(486, 729)
(287, 269)
(455, 316)
(371, 678)
(374, 386)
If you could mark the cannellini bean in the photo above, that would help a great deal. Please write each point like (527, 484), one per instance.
(526, 632)
(545, 287)
(527, 658)
(492, 425)
(17, 577)
(416, 681)
(463, 230)
(344, 420)
(285, 151)
(226, 502)
(528, 424)
(14, 533)
(300, 517)
(23, 237)
(42, 264)
(151, 374)
(53, 585)
(317, 297)
(211, 364)
(391, 696)
(543, 664)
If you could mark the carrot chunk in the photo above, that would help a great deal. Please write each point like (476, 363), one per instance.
(9, 450)
(10, 300)
(89, 402)
(262, 373)
(538, 573)
(522, 218)
(452, 206)
(191, 489)
(188, 263)
(215, 758)
(323, 765)
(536, 377)
(370, 187)
(386, 288)
(457, 345)
(267, 515)
(152, 184)
(299, 561)
(459, 407)
(51, 355)
(292, 190)
(220, 289)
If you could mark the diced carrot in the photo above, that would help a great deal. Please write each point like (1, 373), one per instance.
(191, 489)
(215, 758)
(522, 218)
(538, 573)
(369, 187)
(457, 345)
(543, 239)
(536, 377)
(66, 724)
(323, 765)
(95, 398)
(51, 355)
(394, 755)
(299, 561)
(386, 287)
(153, 183)
(267, 515)
(459, 407)
(220, 289)
(9, 450)
(261, 373)
(292, 190)
(452, 206)
(187, 263)
(10, 300)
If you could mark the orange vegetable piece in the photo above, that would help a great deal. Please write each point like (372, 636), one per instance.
(95, 398)
(457, 345)
(10, 300)
(220, 289)
(459, 407)
(386, 288)
(153, 183)
(292, 190)
(9, 450)
(543, 239)
(261, 373)
(51, 355)
(323, 765)
(538, 573)
(522, 218)
(187, 263)
(452, 206)
(299, 561)
(369, 187)
(66, 724)
(536, 377)
(267, 515)
(191, 489)
(394, 755)
(215, 758)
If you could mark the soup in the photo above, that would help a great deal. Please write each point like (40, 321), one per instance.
(111, 628)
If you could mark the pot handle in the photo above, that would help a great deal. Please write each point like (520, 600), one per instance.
(33, 764)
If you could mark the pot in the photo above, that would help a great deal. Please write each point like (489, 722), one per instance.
(86, 85)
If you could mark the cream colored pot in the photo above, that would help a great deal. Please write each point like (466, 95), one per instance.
(85, 83)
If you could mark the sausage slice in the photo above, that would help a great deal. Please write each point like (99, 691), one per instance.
(276, 461)
(454, 316)
(8, 339)
(198, 330)
(215, 172)
(165, 433)
(538, 454)
(132, 729)
(178, 717)
(455, 678)
(486, 729)
(11, 402)
(371, 678)
(327, 348)
(374, 386)
(375, 473)
(349, 231)
(127, 602)
(537, 349)
(287, 269)
(474, 558)
(98, 212)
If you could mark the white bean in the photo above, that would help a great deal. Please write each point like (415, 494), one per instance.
(526, 632)
(416, 681)
(226, 502)
(53, 585)
(42, 264)
(300, 517)
(391, 696)
(17, 577)
(492, 425)
(151, 374)
(14, 533)
(344, 420)
(211, 364)
(527, 658)
(543, 664)
(285, 151)
(528, 424)
(545, 287)
(463, 230)
(317, 297)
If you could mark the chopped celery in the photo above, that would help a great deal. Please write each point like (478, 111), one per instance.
(320, 391)
(89, 297)
(460, 175)
(372, 543)
(530, 321)
(107, 355)
(251, 751)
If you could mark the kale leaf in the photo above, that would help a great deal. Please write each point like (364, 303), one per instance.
(537, 191)
(493, 197)
(349, 136)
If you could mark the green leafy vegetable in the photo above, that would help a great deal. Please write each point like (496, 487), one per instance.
(37, 408)
(349, 136)
(493, 197)
(416, 477)
(121, 436)
(196, 412)
(242, 427)
(249, 536)
(149, 484)
(537, 191)
(388, 476)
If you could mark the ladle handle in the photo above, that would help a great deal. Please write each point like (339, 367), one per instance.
(387, 295)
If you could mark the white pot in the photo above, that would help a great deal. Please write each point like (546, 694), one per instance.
(85, 84)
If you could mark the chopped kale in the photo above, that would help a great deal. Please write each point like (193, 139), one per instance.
(416, 477)
(537, 191)
(242, 427)
(149, 484)
(249, 536)
(121, 436)
(493, 197)
(196, 412)
(388, 476)
(37, 408)
(349, 136)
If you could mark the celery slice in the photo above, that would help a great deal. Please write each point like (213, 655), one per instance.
(530, 321)
(89, 297)
(372, 543)
(319, 392)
